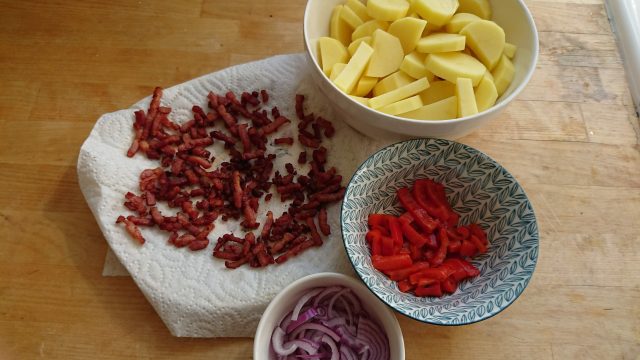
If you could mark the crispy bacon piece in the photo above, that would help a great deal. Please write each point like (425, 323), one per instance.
(131, 228)
(323, 223)
(283, 141)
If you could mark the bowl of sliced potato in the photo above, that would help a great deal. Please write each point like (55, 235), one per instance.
(420, 68)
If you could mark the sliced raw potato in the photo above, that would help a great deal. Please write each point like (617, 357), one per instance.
(365, 85)
(387, 55)
(362, 100)
(441, 42)
(387, 10)
(510, 50)
(402, 106)
(331, 52)
(459, 21)
(436, 12)
(440, 110)
(400, 93)
(482, 8)
(338, 28)
(368, 28)
(450, 66)
(359, 8)
(466, 98)
(438, 90)
(486, 93)
(336, 70)
(486, 39)
(392, 82)
(349, 77)
(350, 17)
(354, 44)
(503, 74)
(408, 30)
(413, 65)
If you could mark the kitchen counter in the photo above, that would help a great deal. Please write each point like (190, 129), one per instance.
(571, 139)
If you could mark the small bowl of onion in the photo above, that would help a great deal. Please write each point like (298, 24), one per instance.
(328, 316)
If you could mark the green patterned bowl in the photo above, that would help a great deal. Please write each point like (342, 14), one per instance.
(481, 191)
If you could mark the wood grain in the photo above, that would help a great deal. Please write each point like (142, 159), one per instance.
(571, 139)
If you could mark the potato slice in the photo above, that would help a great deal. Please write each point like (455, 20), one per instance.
(392, 82)
(338, 28)
(387, 10)
(413, 65)
(436, 12)
(510, 50)
(408, 30)
(402, 106)
(441, 42)
(349, 77)
(354, 44)
(466, 98)
(350, 17)
(336, 70)
(387, 55)
(440, 110)
(459, 21)
(400, 93)
(368, 28)
(365, 85)
(486, 93)
(450, 66)
(486, 39)
(482, 8)
(362, 100)
(331, 52)
(503, 74)
(438, 90)
(359, 8)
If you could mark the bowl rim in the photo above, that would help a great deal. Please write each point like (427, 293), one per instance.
(426, 320)
(492, 110)
(352, 282)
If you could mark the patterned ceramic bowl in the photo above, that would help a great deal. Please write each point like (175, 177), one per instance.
(481, 191)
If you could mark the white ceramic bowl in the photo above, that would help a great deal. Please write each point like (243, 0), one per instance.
(520, 29)
(287, 298)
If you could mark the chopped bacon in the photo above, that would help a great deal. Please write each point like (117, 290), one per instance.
(131, 228)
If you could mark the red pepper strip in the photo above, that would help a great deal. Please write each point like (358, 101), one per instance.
(432, 290)
(429, 254)
(377, 220)
(412, 235)
(394, 228)
(441, 253)
(479, 233)
(404, 286)
(453, 219)
(419, 214)
(454, 246)
(422, 195)
(438, 274)
(384, 231)
(482, 248)
(401, 250)
(425, 281)
(416, 252)
(449, 285)
(391, 262)
(468, 267)
(454, 235)
(371, 234)
(463, 231)
(406, 217)
(376, 246)
(468, 249)
(403, 274)
(387, 245)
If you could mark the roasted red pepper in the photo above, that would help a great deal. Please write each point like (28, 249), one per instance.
(402, 274)
(441, 253)
(449, 285)
(468, 249)
(422, 194)
(431, 290)
(377, 220)
(414, 236)
(392, 262)
(396, 232)
(387, 246)
(404, 286)
(420, 215)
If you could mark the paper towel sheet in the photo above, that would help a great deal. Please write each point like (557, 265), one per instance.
(194, 294)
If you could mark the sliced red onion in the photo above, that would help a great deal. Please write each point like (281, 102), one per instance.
(303, 318)
(325, 292)
(277, 341)
(346, 353)
(318, 327)
(335, 353)
(309, 347)
(303, 300)
(333, 300)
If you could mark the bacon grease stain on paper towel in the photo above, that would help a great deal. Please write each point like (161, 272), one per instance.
(194, 294)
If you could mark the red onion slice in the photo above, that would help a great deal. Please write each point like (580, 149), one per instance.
(306, 316)
(303, 300)
(335, 353)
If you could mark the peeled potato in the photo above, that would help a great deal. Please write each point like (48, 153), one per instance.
(387, 55)
(503, 74)
(459, 21)
(408, 30)
(482, 8)
(387, 10)
(438, 90)
(365, 85)
(440, 110)
(466, 98)
(392, 82)
(398, 94)
(338, 28)
(510, 50)
(486, 39)
(441, 42)
(451, 66)
(362, 100)
(486, 93)
(368, 28)
(359, 8)
(336, 70)
(349, 77)
(354, 44)
(436, 12)
(413, 65)
(402, 106)
(350, 17)
(331, 51)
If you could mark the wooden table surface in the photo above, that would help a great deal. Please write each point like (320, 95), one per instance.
(571, 139)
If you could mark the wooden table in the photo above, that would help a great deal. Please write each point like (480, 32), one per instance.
(571, 139)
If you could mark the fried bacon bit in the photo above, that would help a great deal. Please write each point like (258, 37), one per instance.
(308, 141)
(322, 222)
(265, 96)
(300, 106)
(302, 158)
(273, 127)
(283, 141)
(131, 228)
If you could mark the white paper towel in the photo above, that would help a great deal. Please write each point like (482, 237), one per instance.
(194, 294)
